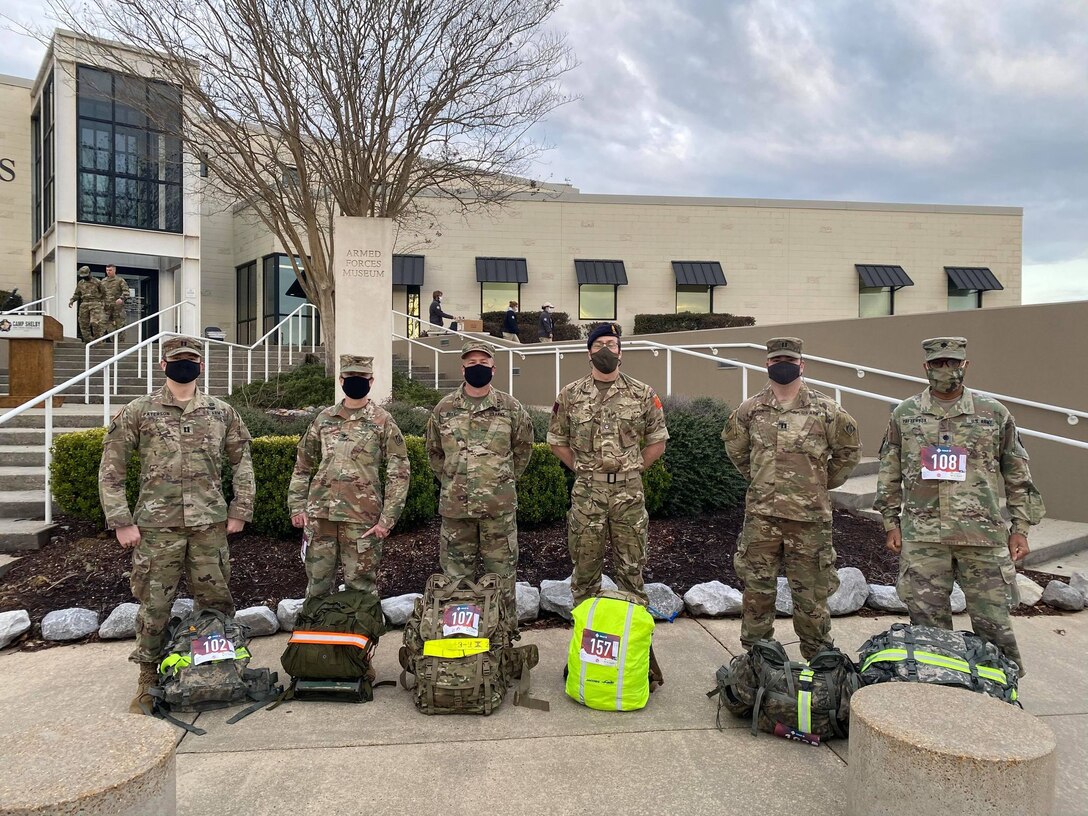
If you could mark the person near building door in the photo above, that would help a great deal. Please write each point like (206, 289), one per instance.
(510, 323)
(115, 298)
(88, 295)
(547, 325)
(436, 313)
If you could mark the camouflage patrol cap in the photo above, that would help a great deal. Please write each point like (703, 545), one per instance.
(945, 348)
(354, 364)
(176, 346)
(784, 347)
(83, 270)
(477, 345)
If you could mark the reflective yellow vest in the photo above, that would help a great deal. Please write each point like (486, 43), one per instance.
(608, 664)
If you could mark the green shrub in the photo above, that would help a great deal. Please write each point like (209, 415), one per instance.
(261, 423)
(74, 474)
(422, 503)
(703, 478)
(542, 489)
(685, 321)
(273, 463)
(655, 483)
(411, 419)
(529, 326)
(303, 387)
(413, 392)
(540, 418)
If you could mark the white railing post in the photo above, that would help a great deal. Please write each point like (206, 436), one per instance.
(139, 357)
(838, 396)
(150, 366)
(49, 459)
(558, 385)
(668, 372)
(106, 396)
(207, 369)
(313, 328)
(279, 350)
(86, 367)
(266, 359)
(510, 354)
(436, 368)
(230, 369)
(249, 366)
(743, 384)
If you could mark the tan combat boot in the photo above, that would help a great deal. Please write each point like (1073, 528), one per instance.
(149, 676)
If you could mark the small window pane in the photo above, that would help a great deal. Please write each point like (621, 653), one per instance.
(596, 301)
(693, 299)
(874, 301)
(496, 297)
(960, 300)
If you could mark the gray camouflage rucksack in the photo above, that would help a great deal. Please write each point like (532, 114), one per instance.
(206, 667)
(925, 654)
(458, 644)
(765, 685)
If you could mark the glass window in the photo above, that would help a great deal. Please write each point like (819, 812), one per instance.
(412, 308)
(874, 301)
(48, 195)
(36, 176)
(694, 298)
(246, 304)
(597, 301)
(279, 276)
(960, 300)
(496, 297)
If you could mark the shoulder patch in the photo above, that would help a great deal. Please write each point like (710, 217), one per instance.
(657, 399)
(555, 407)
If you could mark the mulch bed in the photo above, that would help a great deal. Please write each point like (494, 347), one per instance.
(83, 566)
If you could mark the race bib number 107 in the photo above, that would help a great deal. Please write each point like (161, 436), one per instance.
(461, 619)
(209, 648)
(600, 648)
(944, 463)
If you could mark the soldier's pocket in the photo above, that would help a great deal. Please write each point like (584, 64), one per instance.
(1012, 592)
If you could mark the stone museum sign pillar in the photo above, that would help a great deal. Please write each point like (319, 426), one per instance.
(363, 266)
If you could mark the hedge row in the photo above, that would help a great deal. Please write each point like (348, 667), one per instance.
(529, 325)
(660, 323)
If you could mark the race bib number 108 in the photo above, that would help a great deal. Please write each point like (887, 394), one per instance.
(210, 648)
(944, 463)
(600, 648)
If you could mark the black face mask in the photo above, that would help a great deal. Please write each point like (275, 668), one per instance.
(784, 373)
(478, 375)
(605, 360)
(183, 371)
(356, 387)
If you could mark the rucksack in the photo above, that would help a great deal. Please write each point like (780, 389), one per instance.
(765, 685)
(458, 644)
(331, 648)
(609, 663)
(925, 654)
(206, 667)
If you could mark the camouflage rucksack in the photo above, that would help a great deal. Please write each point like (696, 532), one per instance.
(812, 697)
(207, 666)
(332, 646)
(458, 645)
(925, 654)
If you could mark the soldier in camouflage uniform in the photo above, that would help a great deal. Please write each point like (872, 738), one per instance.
(607, 428)
(946, 456)
(336, 493)
(115, 294)
(793, 445)
(89, 296)
(181, 520)
(479, 442)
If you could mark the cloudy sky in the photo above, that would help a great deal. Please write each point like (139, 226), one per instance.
(932, 101)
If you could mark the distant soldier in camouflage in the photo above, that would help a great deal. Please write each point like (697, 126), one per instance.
(89, 296)
(181, 520)
(945, 459)
(115, 294)
(479, 441)
(608, 428)
(793, 445)
(336, 493)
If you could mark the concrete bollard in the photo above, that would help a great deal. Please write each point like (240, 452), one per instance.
(105, 764)
(932, 750)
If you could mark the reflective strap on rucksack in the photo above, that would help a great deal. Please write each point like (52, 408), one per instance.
(183, 661)
(456, 647)
(330, 638)
(942, 661)
(804, 701)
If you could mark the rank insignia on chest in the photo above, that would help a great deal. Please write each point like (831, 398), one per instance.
(186, 429)
(783, 426)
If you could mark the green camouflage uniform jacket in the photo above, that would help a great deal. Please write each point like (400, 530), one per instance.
(607, 431)
(478, 451)
(337, 467)
(88, 290)
(181, 448)
(792, 458)
(114, 289)
(956, 512)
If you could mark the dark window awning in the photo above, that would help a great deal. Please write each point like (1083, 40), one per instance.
(879, 277)
(501, 270)
(601, 272)
(978, 278)
(698, 273)
(407, 270)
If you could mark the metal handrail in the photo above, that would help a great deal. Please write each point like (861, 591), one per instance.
(19, 309)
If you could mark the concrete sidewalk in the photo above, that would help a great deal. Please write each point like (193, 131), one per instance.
(384, 757)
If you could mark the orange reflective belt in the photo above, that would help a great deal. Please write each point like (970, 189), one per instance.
(330, 638)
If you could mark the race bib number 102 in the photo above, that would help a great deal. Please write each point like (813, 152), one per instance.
(209, 648)
(944, 463)
(600, 648)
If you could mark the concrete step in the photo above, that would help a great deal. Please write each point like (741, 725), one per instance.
(61, 419)
(858, 493)
(22, 455)
(17, 477)
(33, 439)
(21, 504)
(6, 563)
(24, 535)
(1055, 538)
(868, 466)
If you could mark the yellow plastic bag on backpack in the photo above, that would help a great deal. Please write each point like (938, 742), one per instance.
(608, 663)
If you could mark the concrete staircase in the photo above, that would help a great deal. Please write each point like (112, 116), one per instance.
(424, 375)
(1050, 540)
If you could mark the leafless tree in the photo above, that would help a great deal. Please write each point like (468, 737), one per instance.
(305, 109)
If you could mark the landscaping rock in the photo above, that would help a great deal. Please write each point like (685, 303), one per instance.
(181, 608)
(555, 597)
(1079, 582)
(260, 619)
(398, 609)
(713, 599)
(13, 624)
(852, 593)
(528, 597)
(121, 623)
(664, 603)
(783, 602)
(69, 624)
(957, 599)
(1030, 592)
(287, 613)
(885, 598)
(1062, 596)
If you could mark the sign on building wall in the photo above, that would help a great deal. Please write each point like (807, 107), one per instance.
(7, 169)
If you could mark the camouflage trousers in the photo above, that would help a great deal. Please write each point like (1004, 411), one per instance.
(113, 318)
(333, 542)
(599, 513)
(804, 549)
(91, 321)
(494, 541)
(985, 574)
(157, 565)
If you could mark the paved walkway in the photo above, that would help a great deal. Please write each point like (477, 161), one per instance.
(384, 757)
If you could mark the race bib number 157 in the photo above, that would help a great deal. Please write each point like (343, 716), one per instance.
(945, 463)
(600, 648)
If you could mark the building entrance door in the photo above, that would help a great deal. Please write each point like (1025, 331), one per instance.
(143, 285)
